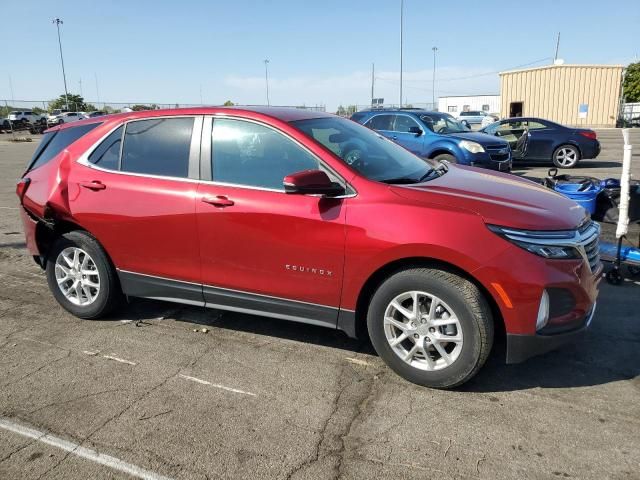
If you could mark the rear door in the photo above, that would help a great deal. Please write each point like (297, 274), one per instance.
(264, 250)
(136, 193)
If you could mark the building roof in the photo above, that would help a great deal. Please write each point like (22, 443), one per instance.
(474, 95)
(560, 66)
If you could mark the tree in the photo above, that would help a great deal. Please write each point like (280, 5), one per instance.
(72, 102)
(138, 108)
(631, 83)
(341, 111)
(228, 103)
(351, 109)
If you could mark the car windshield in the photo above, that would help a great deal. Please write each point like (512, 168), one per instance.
(368, 152)
(441, 123)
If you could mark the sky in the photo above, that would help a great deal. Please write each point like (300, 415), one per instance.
(320, 52)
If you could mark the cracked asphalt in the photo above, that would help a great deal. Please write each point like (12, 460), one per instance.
(277, 400)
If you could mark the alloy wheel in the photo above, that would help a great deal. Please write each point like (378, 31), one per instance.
(566, 156)
(423, 330)
(77, 276)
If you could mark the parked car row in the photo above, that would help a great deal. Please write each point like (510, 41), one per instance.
(440, 136)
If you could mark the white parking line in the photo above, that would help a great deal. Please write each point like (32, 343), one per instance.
(10, 208)
(83, 452)
(121, 360)
(222, 387)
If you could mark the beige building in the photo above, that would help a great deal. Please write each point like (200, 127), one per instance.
(578, 95)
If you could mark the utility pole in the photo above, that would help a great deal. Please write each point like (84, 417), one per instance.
(373, 80)
(401, 39)
(57, 23)
(80, 85)
(433, 83)
(557, 48)
(266, 78)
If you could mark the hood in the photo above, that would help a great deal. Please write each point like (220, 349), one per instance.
(481, 138)
(499, 198)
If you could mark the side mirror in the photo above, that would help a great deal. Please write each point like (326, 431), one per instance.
(416, 130)
(312, 182)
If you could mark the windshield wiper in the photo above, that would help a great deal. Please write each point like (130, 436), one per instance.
(439, 170)
(400, 180)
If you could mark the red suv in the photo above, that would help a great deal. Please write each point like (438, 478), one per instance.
(309, 217)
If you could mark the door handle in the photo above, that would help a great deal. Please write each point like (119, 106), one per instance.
(218, 201)
(94, 185)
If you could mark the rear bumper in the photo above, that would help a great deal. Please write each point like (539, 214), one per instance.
(523, 347)
(29, 225)
(591, 150)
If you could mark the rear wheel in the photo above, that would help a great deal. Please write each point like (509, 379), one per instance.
(445, 156)
(566, 156)
(81, 277)
(432, 327)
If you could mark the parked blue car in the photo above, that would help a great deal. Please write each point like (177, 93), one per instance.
(438, 136)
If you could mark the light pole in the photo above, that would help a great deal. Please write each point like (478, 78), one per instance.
(433, 82)
(59, 22)
(401, 38)
(266, 78)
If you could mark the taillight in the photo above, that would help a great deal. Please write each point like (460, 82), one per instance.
(589, 134)
(21, 187)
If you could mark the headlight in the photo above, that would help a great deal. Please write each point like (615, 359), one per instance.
(472, 147)
(547, 244)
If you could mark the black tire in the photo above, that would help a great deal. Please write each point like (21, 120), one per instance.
(572, 164)
(471, 309)
(445, 156)
(110, 295)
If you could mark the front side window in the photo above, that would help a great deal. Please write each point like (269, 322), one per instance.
(404, 123)
(108, 152)
(249, 154)
(381, 122)
(158, 146)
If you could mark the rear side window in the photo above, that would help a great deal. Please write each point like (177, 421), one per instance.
(158, 147)
(380, 122)
(54, 142)
(108, 152)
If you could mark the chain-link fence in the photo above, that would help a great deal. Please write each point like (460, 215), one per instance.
(41, 106)
(630, 115)
(351, 109)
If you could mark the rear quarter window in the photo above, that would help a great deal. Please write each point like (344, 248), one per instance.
(54, 142)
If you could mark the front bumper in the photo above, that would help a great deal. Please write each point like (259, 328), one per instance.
(485, 160)
(523, 347)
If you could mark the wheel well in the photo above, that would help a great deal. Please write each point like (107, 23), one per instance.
(440, 152)
(577, 147)
(374, 281)
(46, 234)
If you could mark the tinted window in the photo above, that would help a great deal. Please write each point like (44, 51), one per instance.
(380, 122)
(54, 142)
(108, 152)
(246, 153)
(403, 123)
(158, 147)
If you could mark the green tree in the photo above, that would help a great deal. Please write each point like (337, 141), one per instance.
(137, 108)
(72, 102)
(228, 103)
(631, 83)
(351, 109)
(341, 111)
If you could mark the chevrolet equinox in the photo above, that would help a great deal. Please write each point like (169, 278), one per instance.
(264, 211)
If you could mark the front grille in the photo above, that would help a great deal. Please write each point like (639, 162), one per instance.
(498, 153)
(589, 233)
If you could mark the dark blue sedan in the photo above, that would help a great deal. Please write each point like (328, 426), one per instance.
(540, 140)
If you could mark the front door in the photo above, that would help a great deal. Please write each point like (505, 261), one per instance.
(262, 250)
(146, 200)
(405, 133)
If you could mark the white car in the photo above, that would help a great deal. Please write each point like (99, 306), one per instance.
(23, 117)
(66, 117)
(477, 117)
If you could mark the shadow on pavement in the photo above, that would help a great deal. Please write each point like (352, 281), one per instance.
(610, 351)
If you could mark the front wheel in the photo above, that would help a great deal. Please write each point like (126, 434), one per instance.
(80, 276)
(566, 156)
(432, 327)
